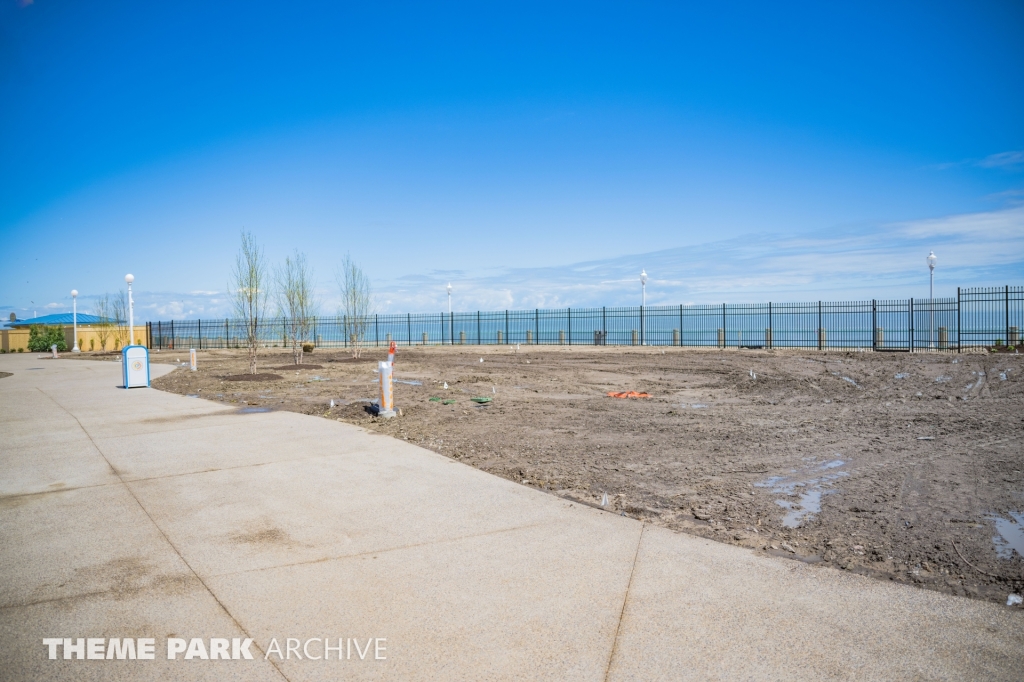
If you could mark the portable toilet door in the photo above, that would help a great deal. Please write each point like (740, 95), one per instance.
(135, 364)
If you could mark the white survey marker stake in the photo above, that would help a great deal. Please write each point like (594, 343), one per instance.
(135, 366)
(192, 359)
(386, 406)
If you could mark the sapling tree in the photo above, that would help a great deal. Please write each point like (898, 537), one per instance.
(296, 301)
(105, 326)
(249, 292)
(356, 303)
(119, 325)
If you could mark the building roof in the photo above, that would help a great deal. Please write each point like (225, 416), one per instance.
(62, 319)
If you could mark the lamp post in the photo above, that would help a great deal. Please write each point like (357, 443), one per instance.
(131, 312)
(931, 298)
(451, 322)
(643, 304)
(74, 319)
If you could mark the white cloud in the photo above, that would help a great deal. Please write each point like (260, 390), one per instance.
(869, 262)
(1003, 160)
(883, 261)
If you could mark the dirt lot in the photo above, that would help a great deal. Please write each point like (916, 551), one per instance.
(903, 467)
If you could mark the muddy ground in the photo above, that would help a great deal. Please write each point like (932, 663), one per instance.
(903, 467)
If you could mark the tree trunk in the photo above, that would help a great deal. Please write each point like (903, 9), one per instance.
(252, 358)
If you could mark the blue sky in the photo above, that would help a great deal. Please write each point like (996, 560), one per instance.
(533, 154)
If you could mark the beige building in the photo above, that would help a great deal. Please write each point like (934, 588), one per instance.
(92, 337)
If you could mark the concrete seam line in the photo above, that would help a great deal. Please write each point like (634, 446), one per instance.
(58, 491)
(343, 557)
(227, 468)
(163, 534)
(625, 600)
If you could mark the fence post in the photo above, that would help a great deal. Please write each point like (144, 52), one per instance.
(910, 309)
(159, 333)
(478, 341)
(874, 324)
(724, 337)
(506, 326)
(451, 329)
(536, 325)
(641, 325)
(821, 346)
(376, 330)
(568, 312)
(681, 330)
(770, 338)
(604, 326)
(958, 319)
(200, 334)
(1007, 337)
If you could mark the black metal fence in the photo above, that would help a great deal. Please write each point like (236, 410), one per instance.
(976, 317)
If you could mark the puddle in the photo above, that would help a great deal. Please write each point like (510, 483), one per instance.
(695, 405)
(851, 381)
(1002, 375)
(809, 504)
(408, 382)
(253, 410)
(808, 485)
(902, 375)
(1011, 535)
(942, 379)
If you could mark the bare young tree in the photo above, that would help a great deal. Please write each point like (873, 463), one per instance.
(119, 323)
(249, 292)
(105, 326)
(296, 301)
(356, 302)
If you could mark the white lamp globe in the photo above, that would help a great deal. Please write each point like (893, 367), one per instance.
(129, 278)
(74, 293)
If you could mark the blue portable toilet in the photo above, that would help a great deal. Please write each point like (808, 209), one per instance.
(135, 365)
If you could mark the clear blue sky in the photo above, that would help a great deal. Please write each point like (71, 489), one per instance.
(503, 145)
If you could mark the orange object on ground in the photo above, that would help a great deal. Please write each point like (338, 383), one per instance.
(628, 394)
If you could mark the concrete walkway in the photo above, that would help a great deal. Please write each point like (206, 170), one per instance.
(145, 514)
